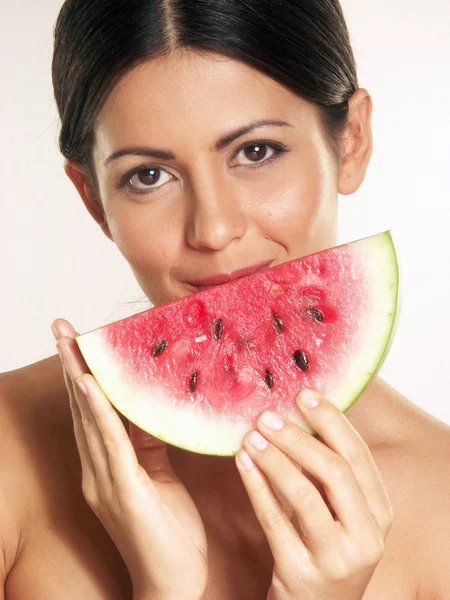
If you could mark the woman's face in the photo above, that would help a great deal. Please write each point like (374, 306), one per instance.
(183, 207)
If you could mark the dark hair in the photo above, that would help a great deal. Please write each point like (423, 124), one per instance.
(302, 44)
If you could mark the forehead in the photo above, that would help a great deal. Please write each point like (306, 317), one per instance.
(192, 94)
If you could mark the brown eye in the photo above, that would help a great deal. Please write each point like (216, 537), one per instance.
(256, 152)
(147, 178)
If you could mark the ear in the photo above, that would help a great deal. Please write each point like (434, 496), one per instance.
(357, 143)
(81, 180)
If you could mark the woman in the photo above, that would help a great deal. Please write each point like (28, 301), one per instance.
(204, 137)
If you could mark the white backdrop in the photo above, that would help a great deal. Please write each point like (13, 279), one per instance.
(57, 263)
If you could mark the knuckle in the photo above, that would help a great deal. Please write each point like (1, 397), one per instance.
(308, 501)
(338, 471)
(372, 553)
(272, 517)
(90, 494)
(114, 443)
(339, 571)
(298, 435)
(97, 414)
(358, 453)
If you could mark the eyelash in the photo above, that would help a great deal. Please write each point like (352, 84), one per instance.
(276, 146)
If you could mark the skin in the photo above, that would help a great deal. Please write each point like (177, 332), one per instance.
(207, 211)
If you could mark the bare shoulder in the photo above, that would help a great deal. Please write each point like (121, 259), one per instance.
(34, 424)
(13, 511)
(36, 404)
(413, 459)
(418, 483)
(53, 545)
(434, 519)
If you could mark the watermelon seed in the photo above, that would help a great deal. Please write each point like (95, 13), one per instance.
(316, 313)
(278, 322)
(218, 329)
(301, 360)
(269, 379)
(159, 347)
(193, 381)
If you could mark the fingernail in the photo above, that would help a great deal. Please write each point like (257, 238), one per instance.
(55, 332)
(272, 420)
(309, 398)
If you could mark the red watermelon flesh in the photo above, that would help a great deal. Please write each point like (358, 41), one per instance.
(196, 372)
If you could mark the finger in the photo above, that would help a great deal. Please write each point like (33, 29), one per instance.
(65, 329)
(150, 452)
(116, 442)
(282, 538)
(342, 438)
(335, 474)
(87, 468)
(111, 451)
(96, 447)
(317, 526)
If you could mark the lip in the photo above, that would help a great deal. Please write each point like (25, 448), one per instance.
(226, 277)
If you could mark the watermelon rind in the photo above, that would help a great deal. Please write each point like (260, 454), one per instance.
(188, 428)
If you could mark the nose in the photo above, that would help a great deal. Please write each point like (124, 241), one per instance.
(216, 217)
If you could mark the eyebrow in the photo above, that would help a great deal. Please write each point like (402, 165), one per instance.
(219, 145)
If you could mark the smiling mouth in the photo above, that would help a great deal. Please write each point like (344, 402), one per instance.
(206, 284)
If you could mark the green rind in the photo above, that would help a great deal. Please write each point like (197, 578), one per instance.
(391, 331)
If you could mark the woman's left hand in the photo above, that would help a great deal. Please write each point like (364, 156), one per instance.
(335, 539)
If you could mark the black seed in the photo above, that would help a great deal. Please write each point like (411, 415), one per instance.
(301, 360)
(218, 329)
(316, 313)
(269, 379)
(278, 322)
(159, 347)
(193, 381)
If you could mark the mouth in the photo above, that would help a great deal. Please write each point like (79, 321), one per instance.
(206, 284)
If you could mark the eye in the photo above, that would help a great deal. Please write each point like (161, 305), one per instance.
(255, 152)
(145, 178)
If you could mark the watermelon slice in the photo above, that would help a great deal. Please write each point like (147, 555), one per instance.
(196, 372)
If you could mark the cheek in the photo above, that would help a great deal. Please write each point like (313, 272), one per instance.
(149, 242)
(302, 214)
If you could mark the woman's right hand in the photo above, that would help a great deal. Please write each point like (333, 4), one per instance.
(132, 488)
